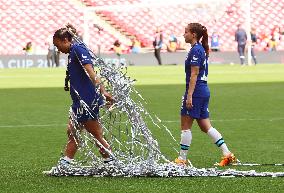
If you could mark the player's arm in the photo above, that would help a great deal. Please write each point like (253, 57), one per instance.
(192, 83)
(85, 60)
(97, 81)
(193, 79)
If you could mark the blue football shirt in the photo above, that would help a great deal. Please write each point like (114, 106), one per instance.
(79, 79)
(197, 57)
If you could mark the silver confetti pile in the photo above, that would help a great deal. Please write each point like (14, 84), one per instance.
(134, 149)
(152, 170)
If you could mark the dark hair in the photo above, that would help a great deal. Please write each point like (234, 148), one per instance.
(201, 32)
(116, 43)
(67, 32)
(29, 45)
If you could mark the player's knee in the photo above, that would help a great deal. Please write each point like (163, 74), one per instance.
(204, 129)
(96, 132)
(184, 126)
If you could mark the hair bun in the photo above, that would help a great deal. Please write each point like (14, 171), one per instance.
(204, 28)
(71, 28)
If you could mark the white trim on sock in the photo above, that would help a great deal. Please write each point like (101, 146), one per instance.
(67, 158)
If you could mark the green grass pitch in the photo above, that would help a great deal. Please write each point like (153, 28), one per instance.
(247, 107)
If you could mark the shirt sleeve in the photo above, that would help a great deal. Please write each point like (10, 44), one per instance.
(195, 58)
(83, 55)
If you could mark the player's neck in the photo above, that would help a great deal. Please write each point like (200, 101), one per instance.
(193, 43)
(69, 47)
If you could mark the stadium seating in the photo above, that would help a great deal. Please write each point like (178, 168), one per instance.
(27, 20)
(36, 21)
(265, 15)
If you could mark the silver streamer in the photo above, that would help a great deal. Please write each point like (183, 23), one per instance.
(134, 149)
(144, 169)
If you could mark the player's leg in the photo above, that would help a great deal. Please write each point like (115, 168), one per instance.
(205, 126)
(253, 55)
(94, 127)
(186, 135)
(241, 51)
(185, 138)
(158, 55)
(57, 58)
(217, 138)
(48, 57)
(71, 146)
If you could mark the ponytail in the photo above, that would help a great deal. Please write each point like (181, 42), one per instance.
(204, 40)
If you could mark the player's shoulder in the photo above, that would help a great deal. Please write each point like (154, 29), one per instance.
(198, 49)
(79, 47)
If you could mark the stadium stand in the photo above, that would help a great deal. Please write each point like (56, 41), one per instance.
(141, 22)
(27, 20)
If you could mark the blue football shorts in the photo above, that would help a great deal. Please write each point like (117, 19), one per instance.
(199, 110)
(84, 114)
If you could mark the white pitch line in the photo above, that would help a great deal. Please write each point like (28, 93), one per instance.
(39, 125)
(30, 76)
(220, 120)
(229, 120)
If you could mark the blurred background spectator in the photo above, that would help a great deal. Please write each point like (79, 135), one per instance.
(253, 44)
(28, 48)
(265, 39)
(52, 54)
(275, 38)
(172, 45)
(136, 45)
(158, 43)
(117, 48)
(215, 42)
(241, 39)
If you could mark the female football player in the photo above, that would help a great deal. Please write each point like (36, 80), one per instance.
(84, 85)
(196, 98)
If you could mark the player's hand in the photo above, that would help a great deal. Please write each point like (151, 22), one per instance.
(109, 98)
(188, 102)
